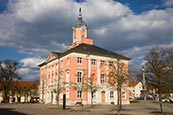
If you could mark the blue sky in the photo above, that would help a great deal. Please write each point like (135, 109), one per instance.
(30, 29)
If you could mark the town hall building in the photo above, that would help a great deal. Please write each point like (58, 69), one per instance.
(70, 72)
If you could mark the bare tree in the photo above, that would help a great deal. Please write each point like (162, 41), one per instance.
(59, 89)
(135, 75)
(8, 73)
(117, 77)
(86, 84)
(159, 65)
(79, 87)
(92, 86)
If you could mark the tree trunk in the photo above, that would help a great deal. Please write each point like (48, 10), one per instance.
(120, 100)
(160, 102)
(92, 100)
(58, 100)
(5, 94)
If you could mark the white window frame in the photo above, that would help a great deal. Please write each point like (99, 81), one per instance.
(111, 95)
(123, 95)
(93, 61)
(79, 60)
(102, 63)
(102, 78)
(78, 94)
(79, 77)
(110, 63)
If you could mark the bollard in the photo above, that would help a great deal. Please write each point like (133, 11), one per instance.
(64, 101)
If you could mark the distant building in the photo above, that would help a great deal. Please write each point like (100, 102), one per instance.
(135, 89)
(21, 92)
(78, 63)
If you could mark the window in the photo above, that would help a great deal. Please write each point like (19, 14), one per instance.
(79, 60)
(123, 95)
(110, 63)
(102, 78)
(93, 93)
(111, 94)
(93, 62)
(79, 94)
(102, 62)
(79, 77)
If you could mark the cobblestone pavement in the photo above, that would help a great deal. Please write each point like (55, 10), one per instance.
(140, 108)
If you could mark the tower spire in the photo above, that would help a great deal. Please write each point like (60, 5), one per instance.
(80, 14)
(80, 31)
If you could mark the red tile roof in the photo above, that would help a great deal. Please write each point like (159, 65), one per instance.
(131, 84)
(21, 85)
(26, 84)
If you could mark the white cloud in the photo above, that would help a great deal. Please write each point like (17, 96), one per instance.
(29, 10)
(104, 9)
(37, 27)
(28, 74)
(29, 69)
(34, 24)
(31, 62)
(168, 3)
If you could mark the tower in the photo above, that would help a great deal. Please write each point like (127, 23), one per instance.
(80, 31)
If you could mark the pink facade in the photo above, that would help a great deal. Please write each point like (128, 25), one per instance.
(70, 69)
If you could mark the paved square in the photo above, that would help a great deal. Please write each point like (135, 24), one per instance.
(139, 108)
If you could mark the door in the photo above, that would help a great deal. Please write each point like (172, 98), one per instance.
(103, 96)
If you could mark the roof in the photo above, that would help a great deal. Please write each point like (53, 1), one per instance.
(89, 50)
(80, 23)
(25, 85)
(22, 85)
(94, 50)
(132, 84)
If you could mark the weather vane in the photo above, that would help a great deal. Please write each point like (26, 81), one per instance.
(80, 2)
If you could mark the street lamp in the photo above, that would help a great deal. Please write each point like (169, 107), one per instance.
(144, 86)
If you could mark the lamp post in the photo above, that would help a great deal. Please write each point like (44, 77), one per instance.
(144, 86)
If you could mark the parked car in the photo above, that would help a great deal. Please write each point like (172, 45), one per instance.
(171, 99)
(131, 99)
(34, 100)
(165, 99)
